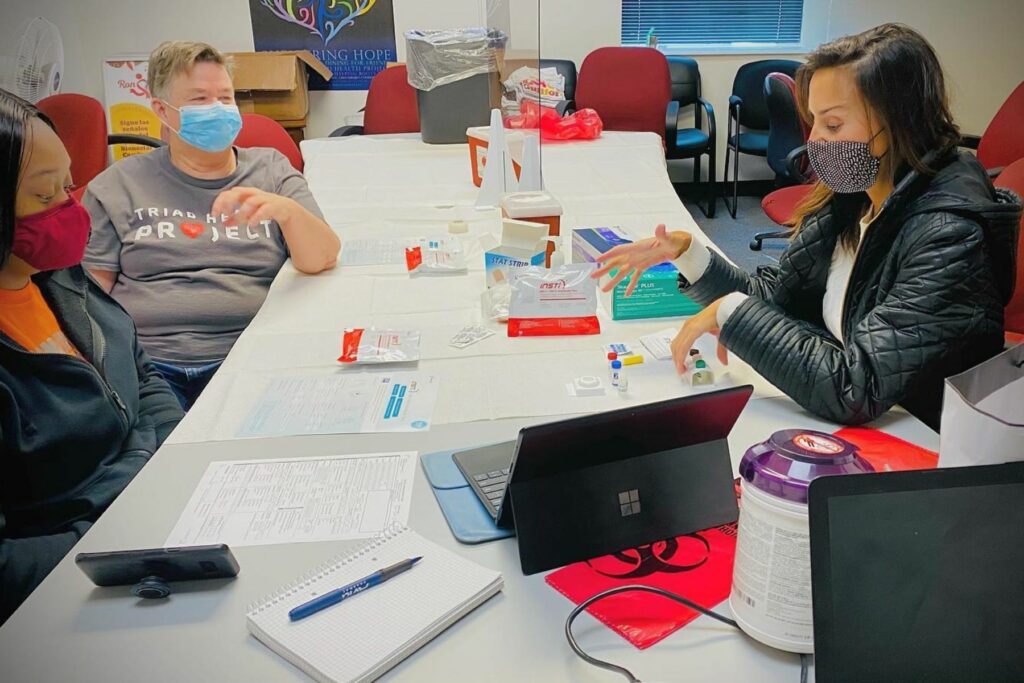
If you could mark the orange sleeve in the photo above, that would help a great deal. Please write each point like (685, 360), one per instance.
(26, 318)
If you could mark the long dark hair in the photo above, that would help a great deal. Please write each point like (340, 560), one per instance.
(900, 79)
(15, 114)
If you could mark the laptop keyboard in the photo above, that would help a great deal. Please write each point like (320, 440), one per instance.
(493, 485)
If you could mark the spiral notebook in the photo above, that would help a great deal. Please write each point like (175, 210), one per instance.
(362, 637)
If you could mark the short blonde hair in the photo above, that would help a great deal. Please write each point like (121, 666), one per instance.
(177, 57)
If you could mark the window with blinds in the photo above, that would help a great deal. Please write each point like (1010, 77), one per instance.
(712, 22)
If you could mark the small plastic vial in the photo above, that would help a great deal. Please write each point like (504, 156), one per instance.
(616, 372)
(702, 376)
(623, 385)
(611, 357)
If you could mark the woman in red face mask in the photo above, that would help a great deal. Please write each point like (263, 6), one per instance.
(81, 407)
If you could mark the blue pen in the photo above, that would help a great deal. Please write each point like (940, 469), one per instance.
(335, 596)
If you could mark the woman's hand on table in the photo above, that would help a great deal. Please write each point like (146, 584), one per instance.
(704, 322)
(631, 260)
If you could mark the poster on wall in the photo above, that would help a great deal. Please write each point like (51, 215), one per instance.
(354, 38)
(126, 91)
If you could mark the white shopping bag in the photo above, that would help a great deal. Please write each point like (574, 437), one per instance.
(983, 413)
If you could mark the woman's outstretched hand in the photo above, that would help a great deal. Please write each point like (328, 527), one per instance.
(631, 260)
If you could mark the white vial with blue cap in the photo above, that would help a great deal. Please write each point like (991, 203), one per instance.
(616, 373)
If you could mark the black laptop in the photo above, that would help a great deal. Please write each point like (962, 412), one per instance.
(588, 486)
(919, 576)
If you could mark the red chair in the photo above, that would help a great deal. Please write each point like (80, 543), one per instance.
(1003, 140)
(390, 106)
(262, 131)
(781, 204)
(1012, 178)
(81, 124)
(629, 87)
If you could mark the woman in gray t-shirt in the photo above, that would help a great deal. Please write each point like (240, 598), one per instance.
(189, 237)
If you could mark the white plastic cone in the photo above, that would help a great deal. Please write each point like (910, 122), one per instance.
(529, 177)
(499, 176)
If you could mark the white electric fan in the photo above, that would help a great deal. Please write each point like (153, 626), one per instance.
(36, 70)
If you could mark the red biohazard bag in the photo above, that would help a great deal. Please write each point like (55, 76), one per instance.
(697, 566)
(585, 124)
(888, 453)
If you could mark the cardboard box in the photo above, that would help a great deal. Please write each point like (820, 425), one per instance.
(510, 60)
(657, 294)
(126, 91)
(522, 244)
(536, 207)
(275, 84)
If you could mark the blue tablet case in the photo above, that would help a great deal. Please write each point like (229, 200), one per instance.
(467, 517)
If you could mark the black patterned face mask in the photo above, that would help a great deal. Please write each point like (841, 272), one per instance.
(845, 166)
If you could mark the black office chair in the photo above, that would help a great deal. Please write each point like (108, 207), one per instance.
(691, 143)
(748, 117)
(787, 131)
(786, 155)
(567, 69)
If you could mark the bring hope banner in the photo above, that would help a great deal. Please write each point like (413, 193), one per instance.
(354, 38)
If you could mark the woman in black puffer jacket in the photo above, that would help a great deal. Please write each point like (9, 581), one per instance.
(903, 258)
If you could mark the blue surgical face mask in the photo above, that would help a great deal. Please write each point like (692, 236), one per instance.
(210, 127)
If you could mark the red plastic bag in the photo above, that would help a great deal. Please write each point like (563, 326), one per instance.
(585, 124)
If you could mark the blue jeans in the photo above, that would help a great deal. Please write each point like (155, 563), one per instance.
(187, 383)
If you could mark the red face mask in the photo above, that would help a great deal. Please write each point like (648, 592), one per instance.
(53, 239)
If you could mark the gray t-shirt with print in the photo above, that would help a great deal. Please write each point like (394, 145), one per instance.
(191, 283)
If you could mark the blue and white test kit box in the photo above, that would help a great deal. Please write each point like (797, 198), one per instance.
(522, 244)
(656, 295)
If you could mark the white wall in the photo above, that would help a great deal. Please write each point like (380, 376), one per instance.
(978, 42)
(95, 29)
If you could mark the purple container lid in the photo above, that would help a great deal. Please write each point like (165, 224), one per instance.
(789, 460)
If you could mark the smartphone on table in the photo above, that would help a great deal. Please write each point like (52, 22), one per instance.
(128, 567)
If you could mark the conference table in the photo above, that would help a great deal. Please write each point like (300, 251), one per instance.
(397, 187)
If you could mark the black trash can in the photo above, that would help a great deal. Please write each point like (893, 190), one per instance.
(455, 74)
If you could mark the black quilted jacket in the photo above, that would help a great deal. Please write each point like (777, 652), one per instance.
(925, 299)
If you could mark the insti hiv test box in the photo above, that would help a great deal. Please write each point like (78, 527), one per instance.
(656, 295)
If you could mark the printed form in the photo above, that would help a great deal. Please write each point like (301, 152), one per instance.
(341, 403)
(297, 500)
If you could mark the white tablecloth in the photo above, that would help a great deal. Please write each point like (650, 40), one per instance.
(397, 187)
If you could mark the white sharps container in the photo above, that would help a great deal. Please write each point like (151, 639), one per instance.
(771, 583)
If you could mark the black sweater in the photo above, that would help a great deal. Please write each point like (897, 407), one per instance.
(72, 433)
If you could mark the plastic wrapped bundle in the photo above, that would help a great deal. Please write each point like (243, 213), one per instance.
(437, 58)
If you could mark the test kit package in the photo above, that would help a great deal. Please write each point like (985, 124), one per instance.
(656, 295)
(435, 256)
(522, 244)
(553, 302)
(364, 346)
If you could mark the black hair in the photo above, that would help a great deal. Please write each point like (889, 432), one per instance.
(15, 114)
